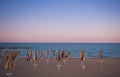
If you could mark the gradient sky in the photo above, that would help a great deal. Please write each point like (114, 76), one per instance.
(60, 21)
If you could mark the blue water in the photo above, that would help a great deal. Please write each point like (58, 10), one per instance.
(91, 49)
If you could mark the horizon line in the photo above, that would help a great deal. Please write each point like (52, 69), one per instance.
(59, 42)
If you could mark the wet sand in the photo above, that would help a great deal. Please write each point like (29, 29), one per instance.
(109, 68)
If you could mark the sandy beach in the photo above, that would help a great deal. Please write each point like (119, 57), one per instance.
(109, 68)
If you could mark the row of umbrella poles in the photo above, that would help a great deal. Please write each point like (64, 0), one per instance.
(35, 60)
(57, 58)
(82, 59)
(10, 62)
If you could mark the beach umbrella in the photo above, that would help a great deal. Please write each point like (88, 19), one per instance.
(82, 58)
(82, 55)
(35, 55)
(35, 58)
(100, 55)
(40, 53)
(47, 54)
(9, 62)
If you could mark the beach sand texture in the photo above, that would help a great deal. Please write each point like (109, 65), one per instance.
(109, 68)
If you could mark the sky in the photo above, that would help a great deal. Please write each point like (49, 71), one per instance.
(57, 21)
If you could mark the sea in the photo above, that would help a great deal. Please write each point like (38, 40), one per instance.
(109, 50)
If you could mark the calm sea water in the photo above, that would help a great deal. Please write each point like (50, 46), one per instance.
(91, 49)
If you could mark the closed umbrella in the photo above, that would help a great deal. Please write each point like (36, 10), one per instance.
(9, 62)
(35, 56)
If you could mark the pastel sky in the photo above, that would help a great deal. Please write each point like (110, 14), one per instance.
(60, 21)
